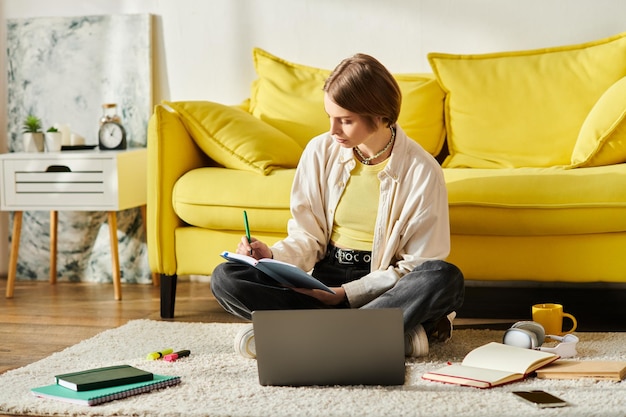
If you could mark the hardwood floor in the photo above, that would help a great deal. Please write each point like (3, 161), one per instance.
(42, 319)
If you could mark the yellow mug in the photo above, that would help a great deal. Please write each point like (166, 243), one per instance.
(550, 316)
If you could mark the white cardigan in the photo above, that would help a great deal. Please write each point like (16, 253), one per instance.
(412, 225)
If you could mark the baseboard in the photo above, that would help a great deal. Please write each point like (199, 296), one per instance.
(596, 308)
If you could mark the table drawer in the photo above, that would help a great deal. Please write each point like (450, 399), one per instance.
(66, 183)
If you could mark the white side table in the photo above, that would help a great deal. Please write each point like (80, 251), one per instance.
(72, 180)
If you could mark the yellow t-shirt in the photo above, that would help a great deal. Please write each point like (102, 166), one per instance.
(356, 213)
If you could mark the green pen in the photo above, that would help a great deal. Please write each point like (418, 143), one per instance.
(247, 226)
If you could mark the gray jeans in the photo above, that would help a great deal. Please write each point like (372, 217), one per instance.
(425, 295)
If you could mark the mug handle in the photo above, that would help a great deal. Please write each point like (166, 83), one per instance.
(574, 322)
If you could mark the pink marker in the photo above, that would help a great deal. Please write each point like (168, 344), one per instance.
(176, 355)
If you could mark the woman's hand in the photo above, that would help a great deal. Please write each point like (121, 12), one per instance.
(255, 248)
(325, 297)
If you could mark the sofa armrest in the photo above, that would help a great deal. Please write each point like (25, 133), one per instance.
(171, 153)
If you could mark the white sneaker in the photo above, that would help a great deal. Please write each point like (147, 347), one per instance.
(416, 342)
(244, 342)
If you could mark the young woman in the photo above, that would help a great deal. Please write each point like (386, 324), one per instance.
(369, 217)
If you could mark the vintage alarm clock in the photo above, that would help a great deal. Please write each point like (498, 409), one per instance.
(112, 135)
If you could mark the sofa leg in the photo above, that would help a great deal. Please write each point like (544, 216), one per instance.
(168, 295)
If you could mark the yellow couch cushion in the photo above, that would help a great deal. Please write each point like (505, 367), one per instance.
(421, 114)
(198, 250)
(524, 108)
(289, 96)
(536, 201)
(602, 137)
(214, 198)
(235, 139)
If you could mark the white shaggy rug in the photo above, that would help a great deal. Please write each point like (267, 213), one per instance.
(218, 382)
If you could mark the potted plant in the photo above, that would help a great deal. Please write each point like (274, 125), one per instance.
(32, 134)
(54, 139)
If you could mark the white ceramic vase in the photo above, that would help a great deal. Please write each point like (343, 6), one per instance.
(33, 142)
(54, 140)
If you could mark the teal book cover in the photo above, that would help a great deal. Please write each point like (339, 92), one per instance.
(102, 395)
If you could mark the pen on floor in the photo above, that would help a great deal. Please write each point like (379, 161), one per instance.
(177, 355)
(247, 227)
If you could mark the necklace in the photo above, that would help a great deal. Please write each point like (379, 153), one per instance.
(366, 161)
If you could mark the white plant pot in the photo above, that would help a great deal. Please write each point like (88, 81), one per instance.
(54, 140)
(33, 142)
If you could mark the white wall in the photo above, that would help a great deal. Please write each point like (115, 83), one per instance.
(203, 47)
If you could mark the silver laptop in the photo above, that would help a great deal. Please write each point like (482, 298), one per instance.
(329, 347)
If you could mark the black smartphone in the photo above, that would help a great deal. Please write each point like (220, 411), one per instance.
(541, 399)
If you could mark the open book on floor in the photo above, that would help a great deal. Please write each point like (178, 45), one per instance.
(491, 365)
(284, 273)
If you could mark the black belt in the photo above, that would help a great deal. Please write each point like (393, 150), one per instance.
(349, 256)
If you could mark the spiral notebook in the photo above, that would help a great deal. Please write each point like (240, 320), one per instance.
(103, 395)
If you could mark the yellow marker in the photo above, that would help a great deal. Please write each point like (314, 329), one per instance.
(158, 355)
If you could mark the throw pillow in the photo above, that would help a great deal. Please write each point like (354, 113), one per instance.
(602, 137)
(524, 108)
(289, 96)
(236, 139)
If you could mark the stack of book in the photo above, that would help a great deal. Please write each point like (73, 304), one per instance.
(100, 385)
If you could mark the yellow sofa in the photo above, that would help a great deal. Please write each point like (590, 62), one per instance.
(534, 145)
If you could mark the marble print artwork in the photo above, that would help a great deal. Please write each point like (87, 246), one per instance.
(62, 69)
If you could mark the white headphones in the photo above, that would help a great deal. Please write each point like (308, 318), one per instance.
(531, 335)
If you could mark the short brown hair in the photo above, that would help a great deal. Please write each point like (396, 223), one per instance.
(362, 85)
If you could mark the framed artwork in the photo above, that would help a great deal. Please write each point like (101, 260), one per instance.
(62, 70)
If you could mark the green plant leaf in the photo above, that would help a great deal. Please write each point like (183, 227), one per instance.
(31, 124)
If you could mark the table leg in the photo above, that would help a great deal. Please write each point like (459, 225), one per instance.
(156, 277)
(15, 248)
(54, 222)
(115, 256)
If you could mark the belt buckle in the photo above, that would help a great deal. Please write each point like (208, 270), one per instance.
(346, 257)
